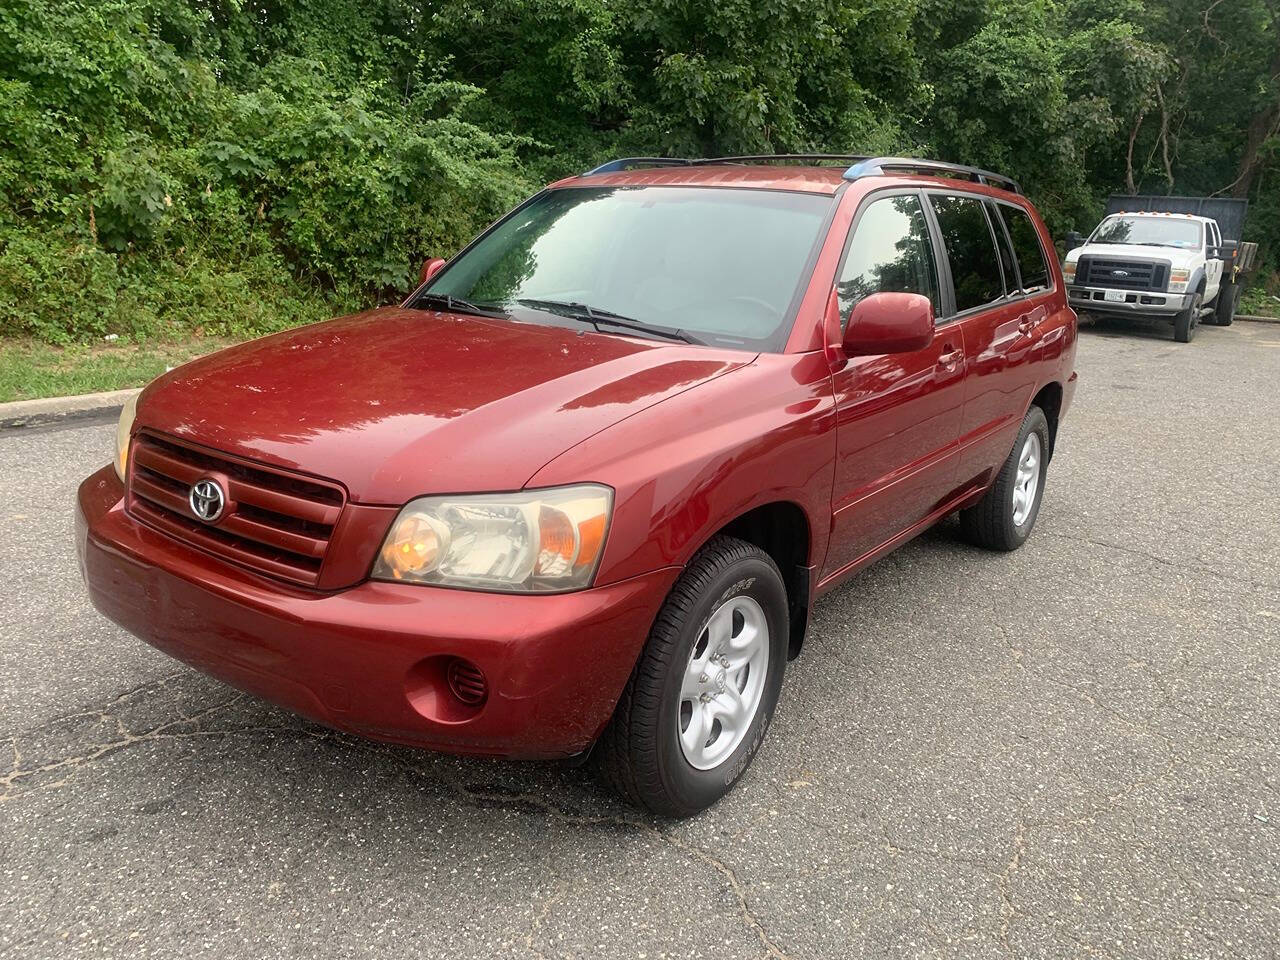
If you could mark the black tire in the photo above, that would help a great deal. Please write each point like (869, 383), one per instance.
(1228, 300)
(1185, 323)
(990, 522)
(640, 751)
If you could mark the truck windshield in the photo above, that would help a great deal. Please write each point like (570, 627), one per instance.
(1148, 231)
(721, 265)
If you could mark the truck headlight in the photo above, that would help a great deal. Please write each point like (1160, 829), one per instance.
(529, 542)
(1069, 271)
(1178, 278)
(124, 426)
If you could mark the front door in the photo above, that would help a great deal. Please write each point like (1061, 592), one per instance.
(898, 415)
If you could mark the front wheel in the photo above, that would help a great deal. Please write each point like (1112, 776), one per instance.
(1185, 323)
(702, 694)
(1003, 518)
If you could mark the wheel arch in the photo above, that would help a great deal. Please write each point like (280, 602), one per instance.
(1049, 400)
(782, 529)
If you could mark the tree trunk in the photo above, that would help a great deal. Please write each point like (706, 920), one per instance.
(1265, 123)
(1128, 165)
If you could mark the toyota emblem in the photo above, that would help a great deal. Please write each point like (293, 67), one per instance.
(207, 500)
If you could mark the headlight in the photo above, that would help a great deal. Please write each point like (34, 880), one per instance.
(1069, 271)
(529, 542)
(123, 427)
(1178, 278)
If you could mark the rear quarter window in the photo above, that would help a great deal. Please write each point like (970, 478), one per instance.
(1026, 248)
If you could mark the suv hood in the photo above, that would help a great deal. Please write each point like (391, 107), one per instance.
(397, 403)
(1133, 251)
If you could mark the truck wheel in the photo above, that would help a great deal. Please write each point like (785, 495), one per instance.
(702, 694)
(1185, 323)
(1003, 518)
(1228, 300)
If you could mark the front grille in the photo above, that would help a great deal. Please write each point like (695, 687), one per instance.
(274, 522)
(1097, 272)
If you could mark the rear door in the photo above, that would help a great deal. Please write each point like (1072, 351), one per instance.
(898, 415)
(1001, 322)
(1213, 265)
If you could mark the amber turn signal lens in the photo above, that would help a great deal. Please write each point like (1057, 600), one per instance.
(590, 540)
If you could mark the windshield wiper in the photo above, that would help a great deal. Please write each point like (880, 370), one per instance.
(458, 305)
(596, 316)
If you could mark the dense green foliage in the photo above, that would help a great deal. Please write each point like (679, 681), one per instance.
(237, 166)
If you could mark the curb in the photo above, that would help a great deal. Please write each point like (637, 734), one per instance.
(101, 407)
(1241, 316)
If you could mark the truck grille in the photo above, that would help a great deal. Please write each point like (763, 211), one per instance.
(1097, 272)
(274, 522)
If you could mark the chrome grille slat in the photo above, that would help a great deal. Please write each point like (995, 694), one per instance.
(276, 523)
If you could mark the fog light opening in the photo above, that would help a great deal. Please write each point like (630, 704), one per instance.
(446, 689)
(466, 682)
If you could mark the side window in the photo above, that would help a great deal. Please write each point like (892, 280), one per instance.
(970, 250)
(1027, 248)
(890, 251)
(1007, 267)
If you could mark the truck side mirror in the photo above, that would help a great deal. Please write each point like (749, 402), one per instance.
(1073, 240)
(1225, 251)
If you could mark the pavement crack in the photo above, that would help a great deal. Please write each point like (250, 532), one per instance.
(1233, 578)
(169, 730)
(730, 876)
(1005, 885)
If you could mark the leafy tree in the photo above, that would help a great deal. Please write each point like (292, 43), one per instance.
(237, 167)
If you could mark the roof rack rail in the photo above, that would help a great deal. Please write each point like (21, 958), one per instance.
(623, 163)
(785, 158)
(878, 166)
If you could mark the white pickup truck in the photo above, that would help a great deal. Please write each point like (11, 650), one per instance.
(1162, 265)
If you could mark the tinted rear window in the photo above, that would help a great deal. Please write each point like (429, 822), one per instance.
(1006, 252)
(971, 251)
(1026, 247)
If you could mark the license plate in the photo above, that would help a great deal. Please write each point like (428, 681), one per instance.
(1113, 296)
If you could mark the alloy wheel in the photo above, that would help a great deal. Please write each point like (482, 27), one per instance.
(723, 682)
(1027, 480)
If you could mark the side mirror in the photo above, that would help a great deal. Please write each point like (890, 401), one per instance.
(889, 323)
(1074, 240)
(1226, 251)
(430, 268)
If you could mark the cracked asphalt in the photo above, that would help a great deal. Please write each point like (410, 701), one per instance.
(1070, 750)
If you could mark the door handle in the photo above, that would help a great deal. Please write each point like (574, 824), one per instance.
(949, 359)
(1027, 323)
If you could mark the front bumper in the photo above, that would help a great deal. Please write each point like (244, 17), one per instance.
(1136, 303)
(368, 659)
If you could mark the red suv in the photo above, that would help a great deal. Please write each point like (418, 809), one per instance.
(583, 487)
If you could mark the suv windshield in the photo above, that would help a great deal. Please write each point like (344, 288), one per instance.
(1151, 231)
(721, 265)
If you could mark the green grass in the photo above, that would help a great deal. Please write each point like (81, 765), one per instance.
(30, 369)
(1258, 302)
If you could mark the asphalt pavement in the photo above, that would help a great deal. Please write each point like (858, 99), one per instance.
(1070, 750)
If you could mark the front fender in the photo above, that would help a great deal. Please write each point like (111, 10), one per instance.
(686, 467)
